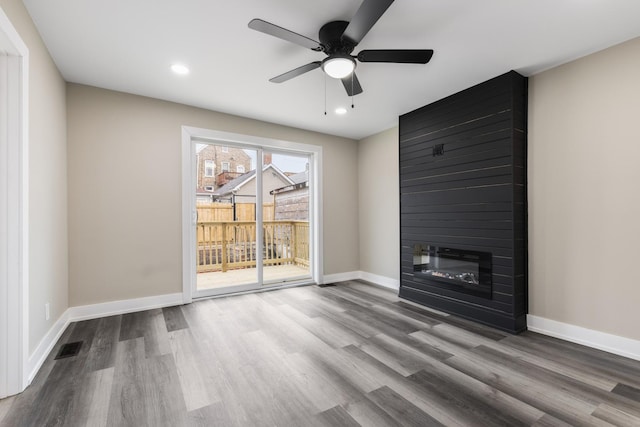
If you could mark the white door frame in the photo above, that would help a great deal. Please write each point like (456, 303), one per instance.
(14, 209)
(189, 217)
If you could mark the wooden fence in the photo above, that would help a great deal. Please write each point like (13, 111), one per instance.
(210, 212)
(226, 245)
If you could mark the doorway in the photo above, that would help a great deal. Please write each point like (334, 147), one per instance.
(13, 209)
(252, 206)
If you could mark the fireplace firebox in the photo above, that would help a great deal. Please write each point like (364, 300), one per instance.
(457, 269)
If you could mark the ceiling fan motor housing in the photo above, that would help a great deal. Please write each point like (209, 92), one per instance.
(330, 36)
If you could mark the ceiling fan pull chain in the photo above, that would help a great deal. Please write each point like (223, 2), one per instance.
(325, 94)
(352, 74)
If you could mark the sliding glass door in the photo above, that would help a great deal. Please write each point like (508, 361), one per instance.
(252, 212)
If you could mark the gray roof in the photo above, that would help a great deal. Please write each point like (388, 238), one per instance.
(299, 181)
(299, 178)
(235, 182)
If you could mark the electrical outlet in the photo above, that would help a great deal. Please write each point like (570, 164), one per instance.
(47, 313)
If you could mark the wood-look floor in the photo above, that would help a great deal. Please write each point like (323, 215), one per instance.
(345, 355)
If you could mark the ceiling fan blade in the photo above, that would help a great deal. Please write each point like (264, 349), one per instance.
(403, 56)
(295, 72)
(284, 34)
(366, 16)
(352, 86)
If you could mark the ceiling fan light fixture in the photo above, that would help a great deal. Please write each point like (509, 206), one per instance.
(339, 66)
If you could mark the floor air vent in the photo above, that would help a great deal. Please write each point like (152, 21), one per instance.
(69, 350)
(327, 284)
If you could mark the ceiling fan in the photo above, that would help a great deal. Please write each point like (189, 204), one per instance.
(337, 40)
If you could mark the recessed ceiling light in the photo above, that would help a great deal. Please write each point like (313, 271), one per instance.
(180, 69)
(341, 110)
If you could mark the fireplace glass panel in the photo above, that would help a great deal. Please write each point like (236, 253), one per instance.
(461, 270)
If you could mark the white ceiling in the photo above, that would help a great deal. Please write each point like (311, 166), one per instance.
(129, 45)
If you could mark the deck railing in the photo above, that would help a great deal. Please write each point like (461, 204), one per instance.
(231, 245)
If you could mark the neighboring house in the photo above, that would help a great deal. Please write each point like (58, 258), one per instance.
(243, 188)
(218, 164)
(204, 195)
(292, 201)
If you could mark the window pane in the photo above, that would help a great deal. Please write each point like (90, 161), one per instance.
(226, 245)
(285, 212)
(208, 168)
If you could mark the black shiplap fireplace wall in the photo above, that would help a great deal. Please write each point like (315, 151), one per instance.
(463, 186)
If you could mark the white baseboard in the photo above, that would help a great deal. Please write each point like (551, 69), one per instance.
(45, 346)
(600, 340)
(591, 338)
(340, 277)
(384, 281)
(112, 308)
(93, 311)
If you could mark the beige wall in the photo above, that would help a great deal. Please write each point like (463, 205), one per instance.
(584, 192)
(378, 196)
(125, 192)
(48, 273)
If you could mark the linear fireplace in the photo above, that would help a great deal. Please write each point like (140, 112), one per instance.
(457, 269)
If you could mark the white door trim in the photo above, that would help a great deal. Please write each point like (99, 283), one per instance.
(14, 207)
(190, 134)
(189, 216)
